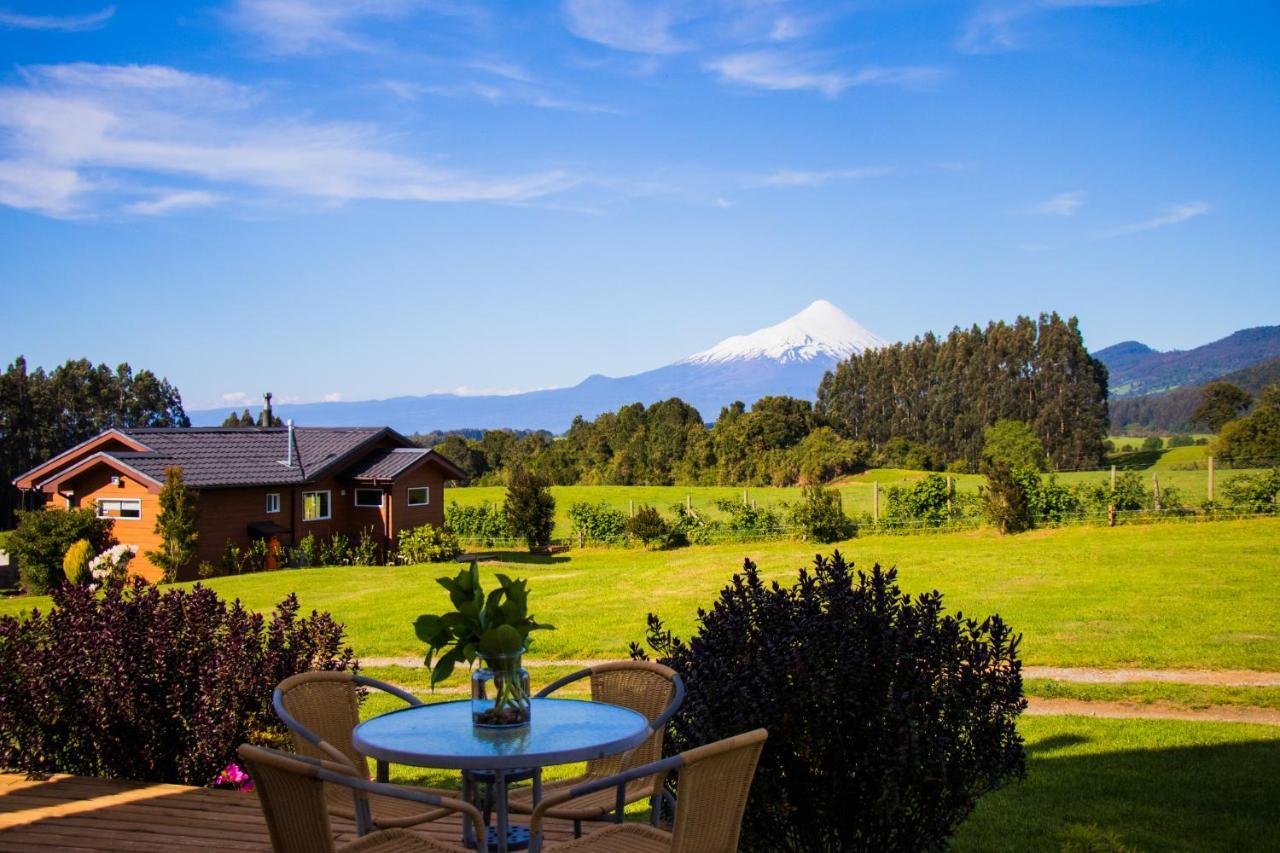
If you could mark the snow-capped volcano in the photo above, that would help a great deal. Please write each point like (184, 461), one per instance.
(789, 358)
(820, 330)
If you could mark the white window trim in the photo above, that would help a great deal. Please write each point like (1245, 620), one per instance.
(409, 499)
(276, 496)
(97, 504)
(356, 498)
(328, 502)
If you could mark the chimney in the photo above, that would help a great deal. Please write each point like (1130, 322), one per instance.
(288, 461)
(266, 411)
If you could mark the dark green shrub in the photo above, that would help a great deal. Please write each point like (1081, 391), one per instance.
(1006, 504)
(597, 522)
(903, 453)
(888, 718)
(42, 538)
(695, 527)
(820, 516)
(648, 526)
(1181, 441)
(750, 520)
(336, 550)
(367, 551)
(1014, 443)
(311, 549)
(149, 686)
(530, 509)
(1153, 442)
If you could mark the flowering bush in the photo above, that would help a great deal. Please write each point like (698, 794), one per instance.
(427, 544)
(138, 684)
(112, 563)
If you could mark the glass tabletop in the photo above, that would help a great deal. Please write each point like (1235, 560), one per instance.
(561, 731)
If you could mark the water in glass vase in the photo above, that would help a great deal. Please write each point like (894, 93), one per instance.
(500, 693)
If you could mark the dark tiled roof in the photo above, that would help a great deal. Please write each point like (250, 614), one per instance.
(386, 464)
(245, 456)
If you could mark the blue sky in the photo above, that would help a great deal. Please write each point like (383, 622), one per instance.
(364, 198)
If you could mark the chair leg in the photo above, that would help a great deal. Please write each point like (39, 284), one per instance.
(577, 828)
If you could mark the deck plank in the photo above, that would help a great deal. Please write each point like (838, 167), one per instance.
(87, 815)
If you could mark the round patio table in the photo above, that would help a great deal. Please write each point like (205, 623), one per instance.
(560, 731)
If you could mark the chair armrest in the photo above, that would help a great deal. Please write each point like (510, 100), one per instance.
(664, 766)
(385, 790)
(561, 682)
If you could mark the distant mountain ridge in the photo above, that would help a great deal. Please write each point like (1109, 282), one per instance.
(787, 358)
(1171, 411)
(1137, 369)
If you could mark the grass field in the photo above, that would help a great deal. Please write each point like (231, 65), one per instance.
(1159, 596)
(1174, 468)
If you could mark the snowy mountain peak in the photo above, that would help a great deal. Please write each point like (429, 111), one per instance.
(821, 330)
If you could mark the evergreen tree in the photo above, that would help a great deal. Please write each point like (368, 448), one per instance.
(530, 509)
(176, 525)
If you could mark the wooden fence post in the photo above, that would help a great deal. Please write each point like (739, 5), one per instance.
(1155, 490)
(631, 508)
(1210, 478)
(875, 502)
(948, 495)
(1113, 479)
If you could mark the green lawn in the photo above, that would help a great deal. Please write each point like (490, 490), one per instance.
(1153, 784)
(1197, 595)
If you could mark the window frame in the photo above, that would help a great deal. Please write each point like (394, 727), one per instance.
(328, 505)
(409, 496)
(273, 498)
(355, 498)
(98, 502)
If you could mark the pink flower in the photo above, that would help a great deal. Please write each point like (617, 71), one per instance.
(234, 775)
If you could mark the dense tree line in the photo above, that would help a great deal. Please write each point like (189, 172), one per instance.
(43, 414)
(942, 393)
(777, 441)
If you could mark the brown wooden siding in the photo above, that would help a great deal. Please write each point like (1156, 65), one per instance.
(96, 483)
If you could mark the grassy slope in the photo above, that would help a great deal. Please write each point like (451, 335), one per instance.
(1163, 595)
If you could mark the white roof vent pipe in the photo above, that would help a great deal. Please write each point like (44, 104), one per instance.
(288, 461)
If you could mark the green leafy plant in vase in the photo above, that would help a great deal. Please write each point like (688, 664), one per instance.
(493, 629)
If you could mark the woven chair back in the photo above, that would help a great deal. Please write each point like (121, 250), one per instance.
(714, 783)
(330, 708)
(648, 692)
(292, 802)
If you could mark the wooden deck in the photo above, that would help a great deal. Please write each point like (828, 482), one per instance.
(86, 815)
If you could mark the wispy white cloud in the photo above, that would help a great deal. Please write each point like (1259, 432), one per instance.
(333, 397)
(1062, 204)
(62, 23)
(171, 202)
(785, 70)
(236, 398)
(795, 178)
(504, 92)
(1174, 215)
(308, 26)
(637, 26)
(65, 131)
(998, 26)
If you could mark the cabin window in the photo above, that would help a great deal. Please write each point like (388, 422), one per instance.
(315, 506)
(369, 497)
(419, 496)
(119, 508)
(273, 502)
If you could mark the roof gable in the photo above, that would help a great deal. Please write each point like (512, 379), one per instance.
(100, 442)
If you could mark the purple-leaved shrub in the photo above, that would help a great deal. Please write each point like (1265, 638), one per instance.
(136, 683)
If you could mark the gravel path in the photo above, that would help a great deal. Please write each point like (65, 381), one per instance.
(1037, 707)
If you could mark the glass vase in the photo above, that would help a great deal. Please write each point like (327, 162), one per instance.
(500, 693)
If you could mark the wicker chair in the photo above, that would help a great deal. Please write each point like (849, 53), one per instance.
(714, 783)
(651, 689)
(320, 710)
(291, 789)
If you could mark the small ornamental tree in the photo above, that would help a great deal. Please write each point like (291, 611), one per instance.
(176, 525)
(75, 563)
(1006, 499)
(888, 717)
(530, 509)
(821, 517)
(135, 683)
(648, 526)
(40, 543)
